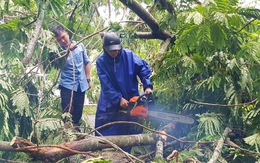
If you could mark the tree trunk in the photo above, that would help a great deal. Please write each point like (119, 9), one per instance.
(53, 153)
(36, 34)
(148, 19)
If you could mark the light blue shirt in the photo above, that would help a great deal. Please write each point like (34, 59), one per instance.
(80, 59)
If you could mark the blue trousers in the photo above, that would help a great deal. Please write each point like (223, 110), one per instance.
(77, 103)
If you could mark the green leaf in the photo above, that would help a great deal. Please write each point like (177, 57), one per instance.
(194, 17)
(187, 39)
(86, 5)
(3, 100)
(21, 101)
(6, 6)
(250, 12)
(205, 43)
(57, 7)
(25, 3)
(253, 140)
(222, 5)
(218, 36)
(4, 115)
(210, 124)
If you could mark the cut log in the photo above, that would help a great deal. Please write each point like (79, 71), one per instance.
(54, 153)
(159, 150)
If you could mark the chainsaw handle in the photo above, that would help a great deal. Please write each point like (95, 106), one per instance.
(138, 105)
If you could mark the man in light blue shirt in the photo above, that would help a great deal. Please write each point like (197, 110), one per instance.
(75, 75)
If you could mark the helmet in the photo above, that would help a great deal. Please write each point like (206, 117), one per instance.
(111, 41)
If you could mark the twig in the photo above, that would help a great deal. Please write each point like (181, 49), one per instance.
(84, 38)
(244, 151)
(96, 9)
(146, 155)
(73, 11)
(132, 21)
(246, 25)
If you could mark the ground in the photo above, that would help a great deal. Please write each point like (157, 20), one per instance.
(105, 156)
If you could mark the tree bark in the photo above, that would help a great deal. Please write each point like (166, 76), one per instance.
(159, 150)
(217, 150)
(148, 19)
(53, 153)
(36, 34)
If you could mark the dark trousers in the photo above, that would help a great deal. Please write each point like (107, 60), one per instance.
(77, 103)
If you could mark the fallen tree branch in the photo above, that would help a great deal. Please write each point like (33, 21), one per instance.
(174, 154)
(217, 150)
(118, 148)
(159, 149)
(146, 155)
(244, 151)
(54, 153)
(148, 19)
(164, 46)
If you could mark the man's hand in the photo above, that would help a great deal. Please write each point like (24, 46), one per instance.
(72, 47)
(123, 103)
(89, 85)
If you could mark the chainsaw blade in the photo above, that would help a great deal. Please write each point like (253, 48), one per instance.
(171, 117)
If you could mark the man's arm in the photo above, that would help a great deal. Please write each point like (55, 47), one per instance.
(87, 64)
(87, 71)
(144, 73)
(107, 86)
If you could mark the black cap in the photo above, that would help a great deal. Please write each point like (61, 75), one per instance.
(111, 41)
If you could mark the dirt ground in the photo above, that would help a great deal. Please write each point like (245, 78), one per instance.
(105, 156)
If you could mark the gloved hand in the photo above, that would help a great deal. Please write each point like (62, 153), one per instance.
(137, 110)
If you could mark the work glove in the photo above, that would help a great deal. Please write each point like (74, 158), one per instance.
(137, 109)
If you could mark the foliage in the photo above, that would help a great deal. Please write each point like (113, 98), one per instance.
(214, 59)
(253, 140)
(211, 62)
(210, 124)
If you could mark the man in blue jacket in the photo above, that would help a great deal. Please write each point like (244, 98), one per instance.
(118, 69)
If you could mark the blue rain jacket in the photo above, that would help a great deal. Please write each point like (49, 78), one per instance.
(118, 77)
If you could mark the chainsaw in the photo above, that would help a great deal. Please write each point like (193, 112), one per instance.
(138, 106)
